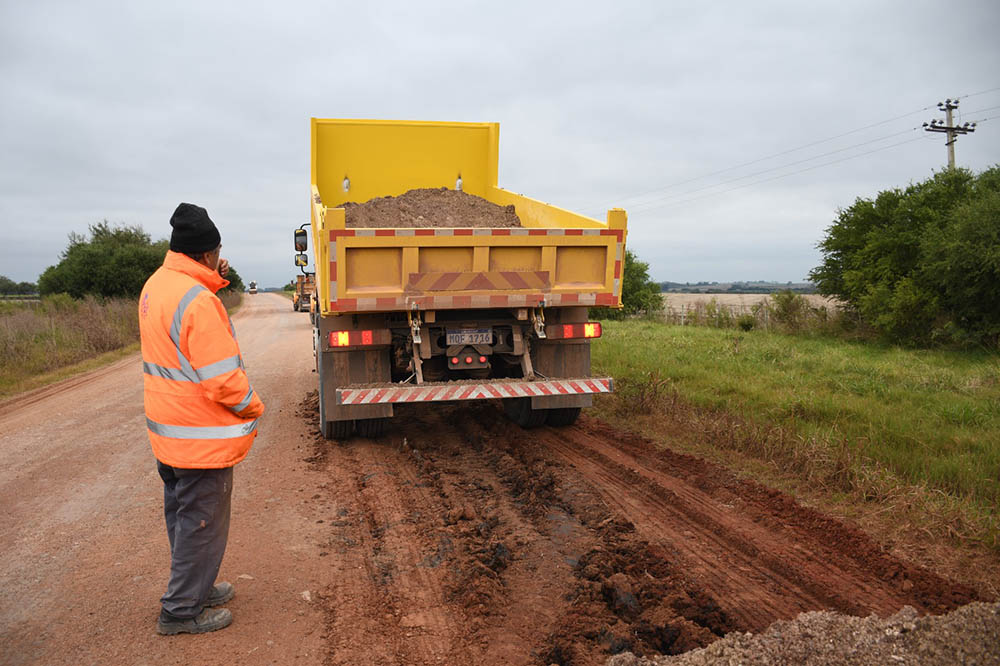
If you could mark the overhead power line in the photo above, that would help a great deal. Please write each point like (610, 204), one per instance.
(975, 94)
(654, 202)
(665, 201)
(989, 108)
(638, 195)
(671, 204)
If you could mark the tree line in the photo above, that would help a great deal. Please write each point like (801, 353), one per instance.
(110, 261)
(9, 287)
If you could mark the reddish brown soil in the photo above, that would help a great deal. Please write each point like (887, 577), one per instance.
(456, 538)
(483, 543)
(429, 208)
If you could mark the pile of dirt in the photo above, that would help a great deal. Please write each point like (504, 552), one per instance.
(631, 596)
(968, 635)
(429, 208)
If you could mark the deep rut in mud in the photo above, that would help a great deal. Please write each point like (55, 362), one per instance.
(460, 538)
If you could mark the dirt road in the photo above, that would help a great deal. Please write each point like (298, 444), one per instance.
(456, 538)
(83, 549)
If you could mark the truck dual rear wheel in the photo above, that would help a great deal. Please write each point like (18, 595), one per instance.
(338, 429)
(562, 416)
(520, 412)
(371, 428)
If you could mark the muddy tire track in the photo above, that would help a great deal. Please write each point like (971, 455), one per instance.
(460, 538)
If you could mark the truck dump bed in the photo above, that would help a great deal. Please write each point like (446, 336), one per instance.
(556, 258)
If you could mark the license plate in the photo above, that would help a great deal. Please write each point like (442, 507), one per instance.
(470, 336)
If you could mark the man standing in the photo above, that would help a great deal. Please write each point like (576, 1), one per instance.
(201, 413)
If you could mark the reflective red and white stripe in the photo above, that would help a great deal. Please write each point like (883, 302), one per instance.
(444, 391)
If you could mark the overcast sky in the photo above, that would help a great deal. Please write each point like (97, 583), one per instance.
(122, 110)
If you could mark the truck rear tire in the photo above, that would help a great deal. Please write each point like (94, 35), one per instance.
(562, 416)
(338, 429)
(371, 428)
(520, 412)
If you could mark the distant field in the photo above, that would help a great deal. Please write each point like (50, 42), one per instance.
(736, 302)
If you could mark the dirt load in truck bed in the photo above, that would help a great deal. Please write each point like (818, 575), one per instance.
(429, 208)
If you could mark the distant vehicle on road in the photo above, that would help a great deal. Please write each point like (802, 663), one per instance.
(253, 287)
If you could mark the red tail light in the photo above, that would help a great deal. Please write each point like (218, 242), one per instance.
(482, 359)
(590, 329)
(360, 338)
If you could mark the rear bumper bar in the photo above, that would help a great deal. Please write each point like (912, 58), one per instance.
(487, 390)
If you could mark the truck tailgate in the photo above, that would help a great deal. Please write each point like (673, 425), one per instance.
(397, 269)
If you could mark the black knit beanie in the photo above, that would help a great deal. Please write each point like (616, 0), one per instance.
(194, 232)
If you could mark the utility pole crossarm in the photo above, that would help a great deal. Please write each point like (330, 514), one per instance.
(945, 126)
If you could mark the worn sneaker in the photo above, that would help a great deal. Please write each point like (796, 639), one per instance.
(210, 619)
(220, 594)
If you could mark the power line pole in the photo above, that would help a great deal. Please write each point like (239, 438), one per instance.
(952, 131)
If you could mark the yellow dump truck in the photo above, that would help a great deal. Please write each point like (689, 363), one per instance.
(302, 297)
(449, 314)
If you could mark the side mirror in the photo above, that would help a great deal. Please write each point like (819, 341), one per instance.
(301, 259)
(301, 241)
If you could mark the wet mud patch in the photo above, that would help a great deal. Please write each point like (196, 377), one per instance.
(628, 595)
(825, 537)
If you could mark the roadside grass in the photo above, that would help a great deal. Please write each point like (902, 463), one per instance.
(32, 382)
(60, 332)
(859, 421)
(41, 343)
(232, 300)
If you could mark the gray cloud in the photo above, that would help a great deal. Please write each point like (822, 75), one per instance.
(121, 110)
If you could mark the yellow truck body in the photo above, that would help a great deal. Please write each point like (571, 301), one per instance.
(557, 258)
(449, 314)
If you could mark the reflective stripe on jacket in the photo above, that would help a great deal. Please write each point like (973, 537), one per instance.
(201, 411)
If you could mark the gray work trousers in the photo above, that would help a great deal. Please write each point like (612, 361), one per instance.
(196, 504)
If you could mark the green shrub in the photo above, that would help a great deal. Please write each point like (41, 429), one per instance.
(921, 265)
(640, 295)
(113, 261)
(746, 322)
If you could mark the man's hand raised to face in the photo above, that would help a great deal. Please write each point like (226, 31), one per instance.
(223, 267)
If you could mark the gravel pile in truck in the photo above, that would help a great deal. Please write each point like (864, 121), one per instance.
(429, 207)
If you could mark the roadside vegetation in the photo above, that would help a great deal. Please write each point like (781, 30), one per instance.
(36, 339)
(88, 307)
(885, 409)
(921, 265)
(784, 311)
(859, 421)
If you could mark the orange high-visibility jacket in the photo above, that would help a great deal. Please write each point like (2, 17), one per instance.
(201, 411)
